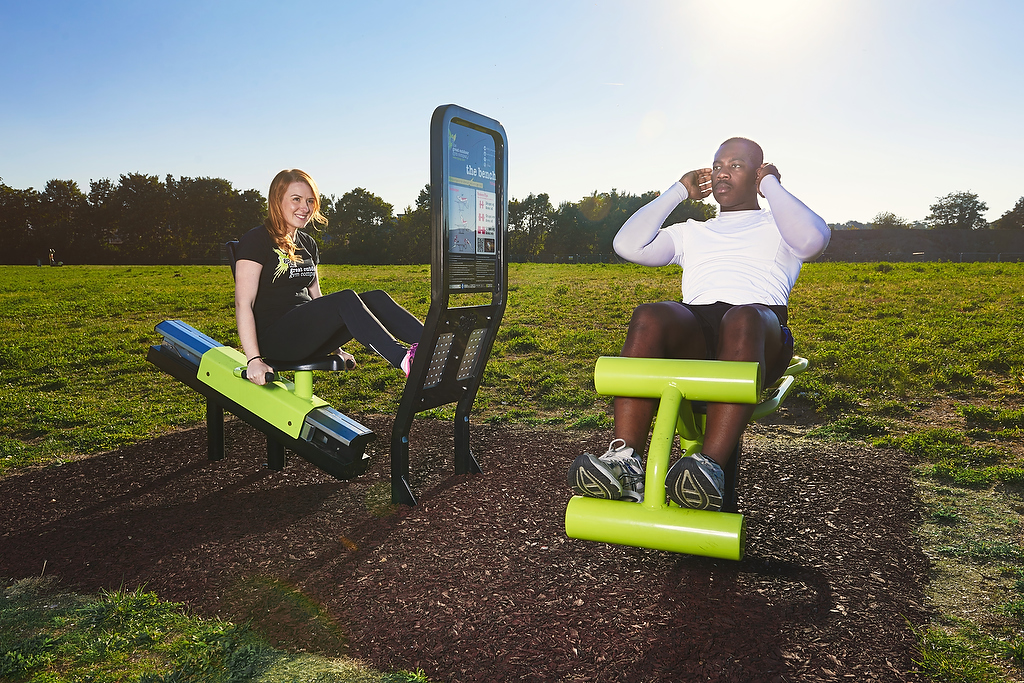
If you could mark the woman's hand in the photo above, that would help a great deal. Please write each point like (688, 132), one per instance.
(256, 371)
(697, 183)
(766, 170)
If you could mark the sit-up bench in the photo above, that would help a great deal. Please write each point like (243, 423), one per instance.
(683, 387)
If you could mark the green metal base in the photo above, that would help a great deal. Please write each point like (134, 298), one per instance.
(656, 523)
(279, 403)
(675, 529)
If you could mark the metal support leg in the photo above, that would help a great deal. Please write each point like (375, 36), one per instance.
(275, 455)
(214, 430)
(401, 492)
(465, 463)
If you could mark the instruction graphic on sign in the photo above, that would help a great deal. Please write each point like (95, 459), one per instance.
(462, 221)
(485, 222)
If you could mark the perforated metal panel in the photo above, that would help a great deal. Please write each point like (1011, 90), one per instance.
(468, 365)
(438, 360)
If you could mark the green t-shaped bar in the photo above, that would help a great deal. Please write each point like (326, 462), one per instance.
(717, 381)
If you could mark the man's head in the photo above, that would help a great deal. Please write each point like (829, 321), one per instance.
(734, 172)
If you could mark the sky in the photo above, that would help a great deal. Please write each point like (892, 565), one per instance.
(865, 106)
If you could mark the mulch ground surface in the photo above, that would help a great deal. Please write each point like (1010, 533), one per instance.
(479, 582)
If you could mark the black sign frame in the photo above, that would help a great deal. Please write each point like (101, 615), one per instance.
(457, 341)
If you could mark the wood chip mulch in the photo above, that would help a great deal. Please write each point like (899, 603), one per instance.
(479, 582)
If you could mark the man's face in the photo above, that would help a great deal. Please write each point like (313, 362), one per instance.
(732, 176)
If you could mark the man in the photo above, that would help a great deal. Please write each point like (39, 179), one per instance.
(738, 270)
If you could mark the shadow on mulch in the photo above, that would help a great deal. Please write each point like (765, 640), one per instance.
(478, 582)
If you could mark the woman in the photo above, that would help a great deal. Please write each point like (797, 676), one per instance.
(279, 309)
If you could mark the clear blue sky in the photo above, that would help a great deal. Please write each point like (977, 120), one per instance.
(864, 105)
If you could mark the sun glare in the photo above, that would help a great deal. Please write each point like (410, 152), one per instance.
(754, 29)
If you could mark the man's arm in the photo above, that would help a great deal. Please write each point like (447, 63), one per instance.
(640, 238)
(804, 231)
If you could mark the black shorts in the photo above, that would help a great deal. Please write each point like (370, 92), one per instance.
(710, 318)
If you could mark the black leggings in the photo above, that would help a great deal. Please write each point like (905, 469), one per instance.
(320, 326)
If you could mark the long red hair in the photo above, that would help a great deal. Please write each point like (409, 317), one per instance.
(275, 223)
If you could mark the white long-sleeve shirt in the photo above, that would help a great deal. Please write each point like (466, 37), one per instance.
(739, 257)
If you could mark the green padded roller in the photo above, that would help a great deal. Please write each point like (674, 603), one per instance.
(717, 381)
(276, 403)
(654, 523)
(675, 529)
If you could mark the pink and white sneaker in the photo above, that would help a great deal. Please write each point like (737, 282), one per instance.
(410, 355)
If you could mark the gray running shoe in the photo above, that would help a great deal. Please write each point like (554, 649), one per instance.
(615, 475)
(696, 482)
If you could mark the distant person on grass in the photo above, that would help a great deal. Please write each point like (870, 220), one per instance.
(279, 309)
(738, 270)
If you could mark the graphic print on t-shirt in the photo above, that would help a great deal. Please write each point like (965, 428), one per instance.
(282, 264)
(294, 269)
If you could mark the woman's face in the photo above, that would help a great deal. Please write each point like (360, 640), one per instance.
(297, 205)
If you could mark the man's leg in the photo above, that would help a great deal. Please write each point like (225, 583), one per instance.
(659, 330)
(747, 333)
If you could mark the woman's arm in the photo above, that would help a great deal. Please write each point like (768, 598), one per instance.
(314, 287)
(806, 233)
(640, 238)
(247, 282)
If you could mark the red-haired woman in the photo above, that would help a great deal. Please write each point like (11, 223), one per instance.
(280, 311)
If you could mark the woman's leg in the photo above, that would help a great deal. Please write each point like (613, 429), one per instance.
(396, 320)
(323, 324)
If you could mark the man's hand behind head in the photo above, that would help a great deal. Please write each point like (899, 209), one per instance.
(697, 183)
(766, 169)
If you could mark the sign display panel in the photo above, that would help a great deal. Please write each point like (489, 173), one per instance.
(473, 235)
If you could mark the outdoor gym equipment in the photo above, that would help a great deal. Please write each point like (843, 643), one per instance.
(679, 384)
(288, 413)
(469, 209)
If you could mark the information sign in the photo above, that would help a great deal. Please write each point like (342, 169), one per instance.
(472, 238)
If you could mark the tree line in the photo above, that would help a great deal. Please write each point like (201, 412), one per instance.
(143, 219)
(955, 211)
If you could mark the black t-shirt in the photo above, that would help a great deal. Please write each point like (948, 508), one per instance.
(283, 283)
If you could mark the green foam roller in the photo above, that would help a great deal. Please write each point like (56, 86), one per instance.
(716, 381)
(675, 529)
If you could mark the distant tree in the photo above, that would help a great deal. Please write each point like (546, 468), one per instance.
(140, 219)
(850, 225)
(104, 219)
(201, 216)
(1012, 219)
(61, 221)
(958, 210)
(530, 221)
(887, 219)
(412, 235)
(589, 225)
(144, 230)
(250, 208)
(362, 230)
(19, 210)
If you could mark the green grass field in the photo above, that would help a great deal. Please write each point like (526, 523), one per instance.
(927, 358)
